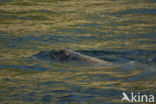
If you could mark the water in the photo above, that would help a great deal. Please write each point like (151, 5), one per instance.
(120, 31)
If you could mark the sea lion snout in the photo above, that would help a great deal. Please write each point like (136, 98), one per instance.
(60, 55)
(54, 54)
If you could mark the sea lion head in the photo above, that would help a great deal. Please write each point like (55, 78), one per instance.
(60, 55)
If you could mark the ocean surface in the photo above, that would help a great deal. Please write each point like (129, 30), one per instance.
(119, 31)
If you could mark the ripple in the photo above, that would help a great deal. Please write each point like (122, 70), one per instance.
(36, 67)
(135, 11)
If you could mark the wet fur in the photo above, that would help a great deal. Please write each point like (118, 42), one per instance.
(69, 55)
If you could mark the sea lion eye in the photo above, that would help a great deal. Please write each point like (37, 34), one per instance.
(54, 51)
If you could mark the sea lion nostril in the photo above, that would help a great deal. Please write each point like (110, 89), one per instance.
(54, 56)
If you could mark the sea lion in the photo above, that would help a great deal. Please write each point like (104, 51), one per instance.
(66, 55)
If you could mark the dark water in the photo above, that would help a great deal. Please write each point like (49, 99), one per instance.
(120, 31)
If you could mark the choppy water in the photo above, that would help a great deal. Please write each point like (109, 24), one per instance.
(119, 31)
